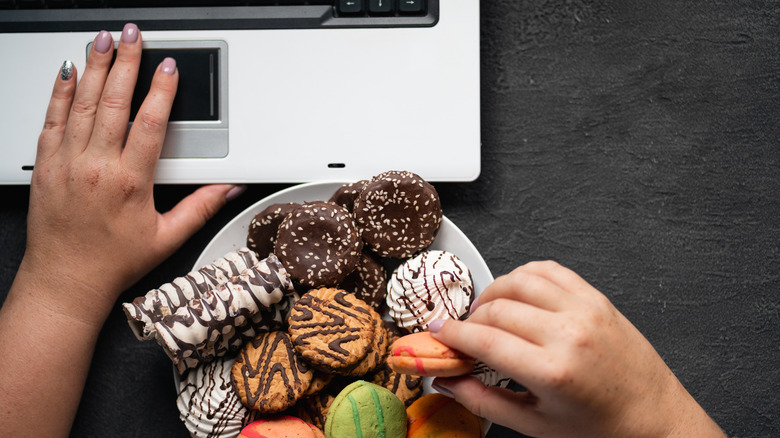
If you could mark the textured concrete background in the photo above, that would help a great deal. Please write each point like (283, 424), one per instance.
(633, 141)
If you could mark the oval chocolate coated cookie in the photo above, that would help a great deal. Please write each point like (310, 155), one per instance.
(331, 328)
(318, 244)
(398, 214)
(368, 281)
(263, 227)
(345, 195)
(268, 375)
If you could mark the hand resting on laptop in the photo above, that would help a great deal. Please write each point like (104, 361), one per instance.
(93, 231)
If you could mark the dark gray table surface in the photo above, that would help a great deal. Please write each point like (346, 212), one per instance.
(633, 141)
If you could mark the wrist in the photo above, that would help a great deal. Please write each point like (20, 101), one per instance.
(692, 420)
(61, 294)
(688, 418)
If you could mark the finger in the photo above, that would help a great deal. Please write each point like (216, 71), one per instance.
(563, 277)
(526, 287)
(192, 212)
(520, 319)
(516, 410)
(506, 353)
(57, 113)
(81, 119)
(148, 132)
(113, 111)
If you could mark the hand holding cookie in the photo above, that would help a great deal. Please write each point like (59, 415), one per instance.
(588, 370)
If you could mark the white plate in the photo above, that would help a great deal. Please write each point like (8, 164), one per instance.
(450, 238)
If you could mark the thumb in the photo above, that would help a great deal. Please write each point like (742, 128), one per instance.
(516, 410)
(192, 212)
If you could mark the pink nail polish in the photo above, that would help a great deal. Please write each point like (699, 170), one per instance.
(437, 386)
(103, 42)
(435, 325)
(235, 192)
(474, 305)
(130, 33)
(168, 66)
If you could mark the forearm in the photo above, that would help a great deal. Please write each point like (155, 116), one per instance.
(692, 420)
(45, 356)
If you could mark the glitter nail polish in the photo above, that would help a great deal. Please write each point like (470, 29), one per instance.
(66, 72)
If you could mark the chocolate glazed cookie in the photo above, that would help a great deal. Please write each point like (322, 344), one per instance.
(346, 194)
(263, 227)
(319, 244)
(332, 329)
(268, 375)
(398, 214)
(368, 281)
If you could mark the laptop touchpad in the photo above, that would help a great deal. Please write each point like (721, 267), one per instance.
(198, 122)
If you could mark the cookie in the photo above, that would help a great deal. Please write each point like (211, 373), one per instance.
(398, 214)
(489, 376)
(331, 328)
(282, 426)
(377, 352)
(208, 405)
(406, 387)
(439, 415)
(346, 194)
(366, 410)
(268, 375)
(420, 354)
(314, 409)
(261, 236)
(368, 281)
(318, 244)
(429, 286)
(319, 381)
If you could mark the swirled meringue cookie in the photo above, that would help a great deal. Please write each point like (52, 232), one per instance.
(432, 285)
(208, 405)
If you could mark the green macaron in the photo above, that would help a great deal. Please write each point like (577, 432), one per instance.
(366, 410)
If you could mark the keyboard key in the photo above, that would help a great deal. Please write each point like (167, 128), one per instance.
(411, 6)
(88, 3)
(350, 6)
(380, 6)
(30, 4)
(56, 4)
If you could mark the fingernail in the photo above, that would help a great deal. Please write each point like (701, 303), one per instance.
(130, 33)
(66, 72)
(103, 41)
(435, 325)
(235, 192)
(443, 390)
(474, 305)
(168, 66)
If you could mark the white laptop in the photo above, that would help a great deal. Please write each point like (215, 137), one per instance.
(270, 91)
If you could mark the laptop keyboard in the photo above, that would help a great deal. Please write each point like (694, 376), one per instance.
(94, 15)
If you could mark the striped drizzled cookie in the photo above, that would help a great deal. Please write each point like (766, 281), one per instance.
(268, 375)
(331, 328)
(376, 353)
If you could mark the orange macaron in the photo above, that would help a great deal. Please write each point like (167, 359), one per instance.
(436, 415)
(420, 354)
(282, 426)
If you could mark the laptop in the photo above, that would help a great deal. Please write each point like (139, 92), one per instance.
(270, 91)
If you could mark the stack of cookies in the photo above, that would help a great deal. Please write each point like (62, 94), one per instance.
(335, 255)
